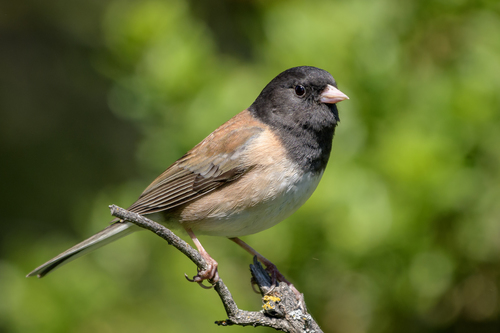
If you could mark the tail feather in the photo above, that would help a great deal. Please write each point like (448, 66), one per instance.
(113, 232)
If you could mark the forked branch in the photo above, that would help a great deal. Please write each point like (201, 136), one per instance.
(281, 309)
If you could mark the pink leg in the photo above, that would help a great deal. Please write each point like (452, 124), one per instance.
(270, 267)
(210, 273)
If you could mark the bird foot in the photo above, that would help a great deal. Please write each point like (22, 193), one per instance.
(277, 277)
(210, 273)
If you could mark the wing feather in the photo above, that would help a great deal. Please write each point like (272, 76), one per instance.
(216, 161)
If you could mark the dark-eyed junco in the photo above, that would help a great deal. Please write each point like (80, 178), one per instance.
(248, 175)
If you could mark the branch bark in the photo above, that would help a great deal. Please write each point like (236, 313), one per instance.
(281, 309)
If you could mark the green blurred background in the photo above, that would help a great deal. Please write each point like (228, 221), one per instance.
(99, 97)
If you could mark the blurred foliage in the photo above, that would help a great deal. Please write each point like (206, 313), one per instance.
(98, 97)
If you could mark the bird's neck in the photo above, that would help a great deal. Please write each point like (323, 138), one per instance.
(308, 148)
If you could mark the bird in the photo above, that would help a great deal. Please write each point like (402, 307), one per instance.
(249, 174)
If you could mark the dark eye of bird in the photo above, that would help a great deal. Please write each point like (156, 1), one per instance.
(300, 90)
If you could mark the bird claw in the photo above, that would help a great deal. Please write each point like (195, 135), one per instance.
(277, 277)
(198, 280)
(275, 274)
(210, 274)
(187, 278)
(253, 283)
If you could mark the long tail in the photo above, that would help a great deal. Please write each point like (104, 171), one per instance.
(113, 232)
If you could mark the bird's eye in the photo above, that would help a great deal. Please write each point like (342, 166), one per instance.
(300, 90)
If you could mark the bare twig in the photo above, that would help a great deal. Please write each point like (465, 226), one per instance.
(281, 309)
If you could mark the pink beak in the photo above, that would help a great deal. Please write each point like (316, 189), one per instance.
(332, 95)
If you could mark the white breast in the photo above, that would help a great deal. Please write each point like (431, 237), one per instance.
(272, 189)
(285, 193)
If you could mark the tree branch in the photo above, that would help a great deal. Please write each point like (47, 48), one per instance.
(281, 309)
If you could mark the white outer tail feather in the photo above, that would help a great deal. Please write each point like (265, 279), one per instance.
(110, 234)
